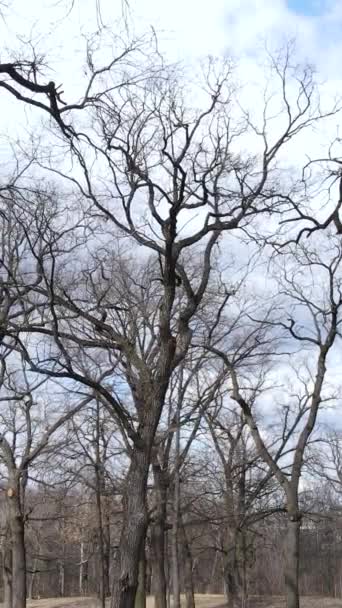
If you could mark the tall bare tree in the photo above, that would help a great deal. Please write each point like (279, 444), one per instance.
(149, 169)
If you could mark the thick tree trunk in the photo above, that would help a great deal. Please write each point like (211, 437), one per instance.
(175, 525)
(230, 587)
(148, 576)
(158, 538)
(100, 488)
(159, 586)
(101, 542)
(81, 571)
(231, 571)
(243, 570)
(32, 580)
(106, 555)
(18, 555)
(61, 579)
(61, 562)
(175, 568)
(186, 567)
(241, 547)
(149, 401)
(16, 531)
(7, 572)
(140, 596)
(135, 519)
(292, 561)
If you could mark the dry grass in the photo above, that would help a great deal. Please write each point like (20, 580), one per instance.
(202, 601)
(306, 602)
(71, 602)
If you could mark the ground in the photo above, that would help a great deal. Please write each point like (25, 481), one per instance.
(202, 601)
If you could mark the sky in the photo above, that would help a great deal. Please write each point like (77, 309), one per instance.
(307, 7)
(192, 27)
(186, 29)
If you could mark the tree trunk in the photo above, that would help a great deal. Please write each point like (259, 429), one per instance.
(135, 519)
(158, 538)
(17, 542)
(106, 554)
(158, 565)
(213, 576)
(7, 572)
(61, 562)
(241, 547)
(243, 569)
(32, 580)
(292, 561)
(186, 567)
(229, 580)
(175, 569)
(168, 569)
(101, 542)
(100, 488)
(18, 562)
(135, 512)
(81, 571)
(231, 570)
(140, 596)
(61, 569)
(175, 523)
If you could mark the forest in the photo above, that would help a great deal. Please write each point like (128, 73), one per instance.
(170, 319)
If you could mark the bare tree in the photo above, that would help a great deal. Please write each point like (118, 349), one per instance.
(94, 448)
(168, 179)
(248, 495)
(20, 446)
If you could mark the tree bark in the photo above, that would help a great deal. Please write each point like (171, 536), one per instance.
(292, 561)
(32, 580)
(243, 569)
(81, 571)
(176, 522)
(187, 567)
(18, 555)
(100, 487)
(140, 596)
(229, 583)
(231, 570)
(158, 565)
(7, 571)
(158, 538)
(106, 564)
(61, 577)
(102, 577)
(175, 568)
(16, 528)
(135, 519)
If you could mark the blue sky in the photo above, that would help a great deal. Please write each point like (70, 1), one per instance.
(307, 7)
